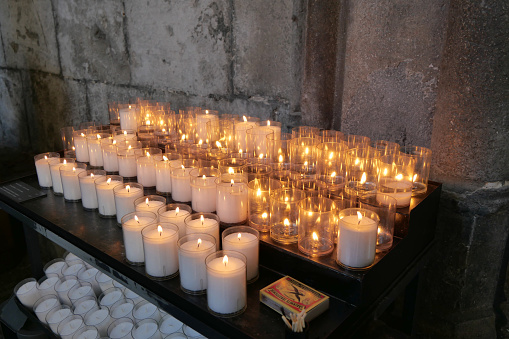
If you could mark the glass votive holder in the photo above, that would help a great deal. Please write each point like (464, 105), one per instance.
(110, 296)
(362, 169)
(231, 165)
(284, 213)
(279, 150)
(303, 156)
(86, 181)
(175, 214)
(190, 332)
(127, 152)
(395, 177)
(335, 182)
(160, 250)
(311, 187)
(87, 332)
(125, 194)
(357, 141)
(180, 180)
(124, 134)
(105, 198)
(80, 290)
(73, 268)
(203, 189)
(46, 285)
(316, 226)
(94, 149)
(203, 223)
(203, 120)
(259, 202)
(69, 326)
(66, 135)
(146, 310)
(257, 142)
(283, 176)
(244, 239)
(422, 157)
(132, 224)
(146, 329)
(386, 147)
(55, 266)
(357, 237)
(42, 167)
(226, 283)
(192, 251)
(232, 199)
(89, 275)
(145, 166)
(105, 281)
(256, 171)
(169, 324)
(81, 145)
(122, 309)
(99, 318)
(45, 304)
(128, 115)
(163, 171)
(149, 203)
(109, 154)
(385, 207)
(240, 131)
(55, 316)
(54, 167)
(84, 305)
(62, 287)
(70, 182)
(130, 295)
(121, 329)
(305, 132)
(329, 135)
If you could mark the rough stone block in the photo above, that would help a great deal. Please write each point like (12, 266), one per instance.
(28, 33)
(268, 45)
(180, 45)
(54, 103)
(13, 124)
(91, 40)
(2, 52)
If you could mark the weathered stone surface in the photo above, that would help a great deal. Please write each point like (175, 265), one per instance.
(91, 40)
(393, 51)
(2, 52)
(54, 103)
(268, 46)
(180, 45)
(28, 34)
(13, 124)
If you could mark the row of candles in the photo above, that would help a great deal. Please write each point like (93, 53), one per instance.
(75, 300)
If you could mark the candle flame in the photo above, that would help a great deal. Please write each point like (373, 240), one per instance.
(146, 202)
(399, 176)
(218, 144)
(73, 148)
(82, 134)
(108, 181)
(225, 260)
(202, 219)
(415, 177)
(331, 155)
(264, 215)
(280, 158)
(357, 161)
(160, 230)
(183, 167)
(240, 151)
(183, 137)
(315, 236)
(125, 133)
(268, 123)
(363, 179)
(45, 157)
(177, 210)
(199, 242)
(232, 182)
(239, 236)
(333, 174)
(148, 154)
(129, 148)
(200, 142)
(230, 170)
(385, 171)
(261, 156)
(164, 129)
(114, 142)
(136, 218)
(128, 188)
(359, 217)
(65, 161)
(286, 222)
(258, 192)
(244, 117)
(129, 106)
(147, 122)
(98, 136)
(74, 169)
(165, 158)
(306, 150)
(91, 175)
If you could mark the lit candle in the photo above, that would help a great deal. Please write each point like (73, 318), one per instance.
(193, 249)
(180, 184)
(232, 200)
(206, 223)
(132, 224)
(163, 173)
(398, 188)
(125, 195)
(55, 173)
(109, 154)
(94, 149)
(241, 129)
(244, 240)
(128, 117)
(160, 249)
(126, 157)
(80, 145)
(203, 189)
(105, 197)
(201, 125)
(175, 216)
(145, 170)
(87, 188)
(151, 203)
(42, 167)
(70, 183)
(226, 282)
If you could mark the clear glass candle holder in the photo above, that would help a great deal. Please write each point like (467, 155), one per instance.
(109, 155)
(27, 293)
(386, 147)
(80, 290)
(89, 274)
(66, 135)
(303, 156)
(357, 141)
(232, 199)
(70, 181)
(121, 329)
(357, 238)
(62, 287)
(169, 324)
(105, 198)
(124, 135)
(146, 310)
(203, 223)
(231, 165)
(42, 167)
(245, 240)
(160, 250)
(385, 207)
(316, 226)
(100, 319)
(146, 329)
(395, 177)
(311, 187)
(180, 180)
(45, 304)
(122, 309)
(84, 305)
(132, 224)
(284, 177)
(149, 203)
(305, 132)
(110, 296)
(284, 213)
(145, 166)
(94, 149)
(192, 251)
(87, 187)
(256, 171)
(362, 171)
(163, 171)
(279, 150)
(175, 214)
(203, 189)
(46, 285)
(125, 194)
(54, 167)
(55, 266)
(128, 115)
(87, 332)
(259, 202)
(332, 165)
(240, 131)
(69, 326)
(226, 283)
(329, 135)
(127, 152)
(81, 145)
(113, 113)
(257, 142)
(202, 118)
(422, 157)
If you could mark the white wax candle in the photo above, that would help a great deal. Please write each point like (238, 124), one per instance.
(180, 184)
(43, 172)
(63, 287)
(146, 310)
(70, 327)
(226, 285)
(88, 192)
(127, 165)
(205, 225)
(276, 130)
(81, 292)
(124, 201)
(247, 244)
(54, 319)
(128, 118)
(123, 310)
(176, 218)
(163, 175)
(28, 293)
(44, 307)
(88, 334)
(48, 286)
(241, 135)
(169, 325)
(110, 160)
(85, 306)
(94, 152)
(146, 171)
(111, 298)
(89, 275)
(56, 268)
(105, 282)
(105, 197)
(145, 331)
(258, 141)
(231, 204)
(70, 183)
(193, 274)
(191, 333)
(399, 190)
(55, 175)
(100, 319)
(160, 249)
(133, 296)
(149, 206)
(357, 241)
(121, 330)
(133, 241)
(81, 147)
(201, 126)
(203, 194)
(73, 269)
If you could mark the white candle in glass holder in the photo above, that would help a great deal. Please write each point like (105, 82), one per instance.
(105, 196)
(55, 266)
(133, 241)
(47, 286)
(146, 329)
(169, 324)
(56, 315)
(70, 183)
(81, 146)
(192, 271)
(201, 125)
(100, 318)
(124, 200)
(88, 191)
(121, 330)
(180, 184)
(241, 129)
(121, 309)
(145, 170)
(89, 275)
(110, 296)
(109, 152)
(27, 292)
(247, 244)
(62, 288)
(42, 168)
(401, 190)
(127, 161)
(163, 174)
(55, 173)
(205, 226)
(160, 249)
(94, 150)
(149, 205)
(357, 241)
(73, 269)
(79, 292)
(87, 332)
(84, 305)
(128, 117)
(177, 217)
(69, 326)
(105, 282)
(42, 307)
(146, 310)
(203, 193)
(232, 203)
